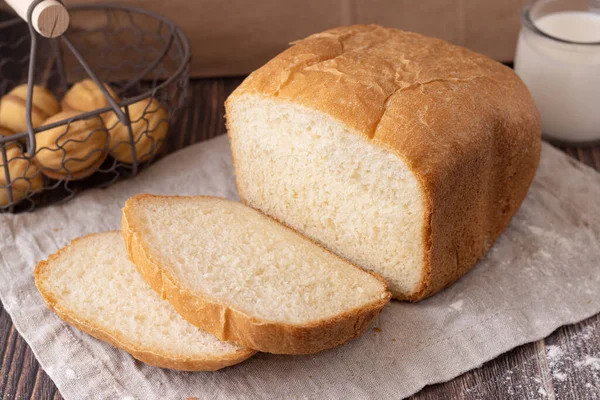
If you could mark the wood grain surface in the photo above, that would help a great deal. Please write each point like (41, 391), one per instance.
(557, 367)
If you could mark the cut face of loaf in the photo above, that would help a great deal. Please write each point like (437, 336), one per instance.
(309, 171)
(404, 154)
(92, 285)
(242, 276)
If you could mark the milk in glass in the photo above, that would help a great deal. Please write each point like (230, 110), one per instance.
(560, 64)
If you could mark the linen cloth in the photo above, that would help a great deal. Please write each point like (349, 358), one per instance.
(542, 273)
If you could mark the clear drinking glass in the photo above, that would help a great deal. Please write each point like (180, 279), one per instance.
(558, 58)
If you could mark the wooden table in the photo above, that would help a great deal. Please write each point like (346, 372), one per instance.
(534, 370)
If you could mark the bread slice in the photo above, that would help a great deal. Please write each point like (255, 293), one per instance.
(93, 286)
(240, 275)
(404, 154)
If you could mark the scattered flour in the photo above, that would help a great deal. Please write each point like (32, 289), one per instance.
(553, 236)
(592, 362)
(562, 364)
(457, 305)
(588, 331)
(536, 230)
(562, 367)
(545, 254)
(553, 353)
(555, 362)
(561, 376)
(70, 373)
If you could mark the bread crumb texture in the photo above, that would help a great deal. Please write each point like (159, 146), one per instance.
(246, 260)
(92, 282)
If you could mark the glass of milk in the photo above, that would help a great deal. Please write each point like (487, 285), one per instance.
(558, 58)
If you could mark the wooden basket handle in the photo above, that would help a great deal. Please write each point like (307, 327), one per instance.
(50, 18)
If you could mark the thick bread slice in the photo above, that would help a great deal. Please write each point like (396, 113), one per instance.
(242, 276)
(92, 285)
(404, 154)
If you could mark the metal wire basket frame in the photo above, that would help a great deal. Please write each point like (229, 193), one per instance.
(170, 92)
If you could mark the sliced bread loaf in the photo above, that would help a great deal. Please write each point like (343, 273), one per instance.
(240, 275)
(92, 285)
(404, 154)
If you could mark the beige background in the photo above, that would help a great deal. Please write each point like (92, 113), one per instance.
(234, 37)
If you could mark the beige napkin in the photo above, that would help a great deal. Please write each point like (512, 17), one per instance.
(542, 273)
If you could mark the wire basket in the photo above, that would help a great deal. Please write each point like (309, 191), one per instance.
(137, 60)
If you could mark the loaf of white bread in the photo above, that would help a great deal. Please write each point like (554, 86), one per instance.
(402, 153)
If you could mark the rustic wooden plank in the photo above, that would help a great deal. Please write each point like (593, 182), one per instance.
(572, 151)
(584, 154)
(573, 354)
(10, 341)
(208, 121)
(596, 156)
(216, 109)
(26, 380)
(177, 141)
(10, 380)
(199, 127)
(43, 387)
(527, 372)
(5, 350)
(5, 328)
(517, 374)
